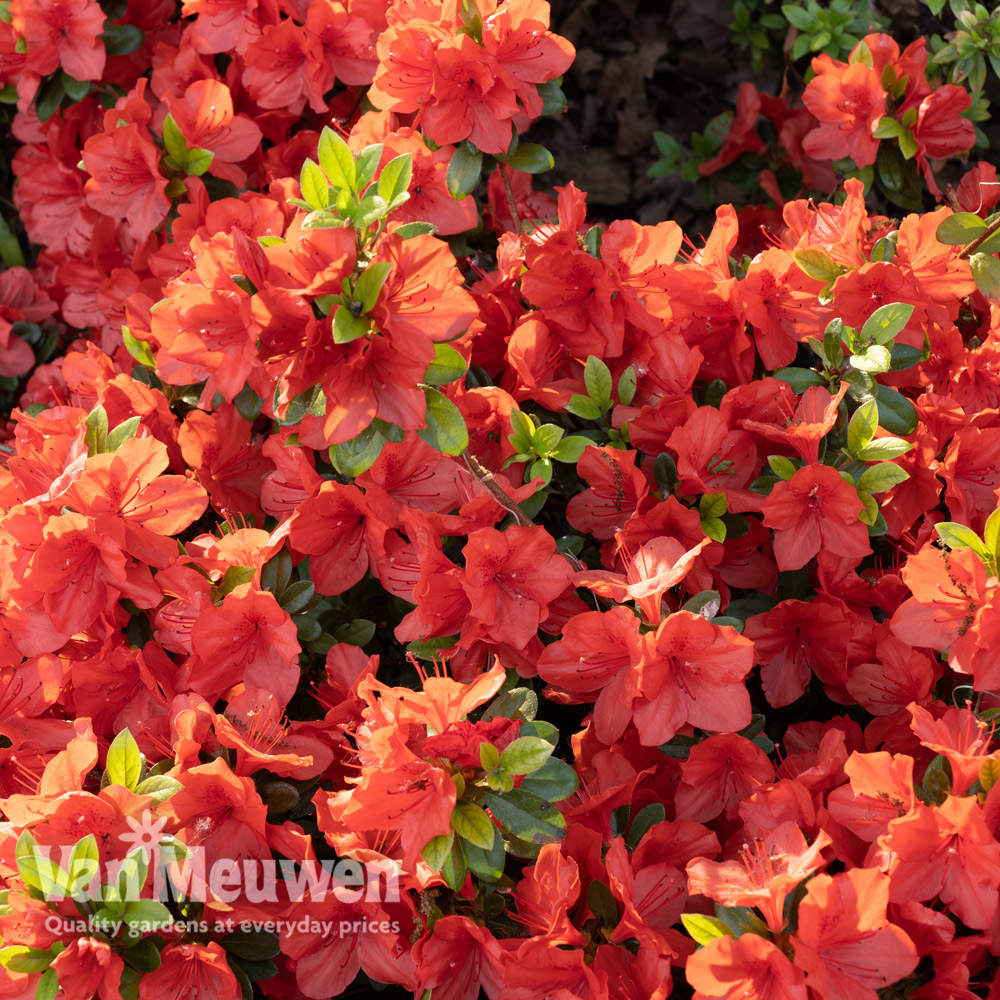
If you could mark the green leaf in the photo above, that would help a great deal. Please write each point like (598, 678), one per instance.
(797, 17)
(485, 864)
(553, 98)
(366, 164)
(818, 265)
(888, 128)
(199, 161)
(874, 360)
(554, 781)
(122, 433)
(781, 466)
(884, 250)
(704, 929)
(887, 322)
(799, 379)
(174, 141)
(707, 603)
(525, 755)
(21, 958)
(583, 407)
(665, 473)
(121, 39)
(712, 505)
(489, 756)
(10, 249)
(48, 986)
(469, 821)
(160, 786)
(371, 209)
(545, 439)
(464, 169)
(882, 477)
(989, 773)
(571, 449)
(148, 911)
(395, 178)
(833, 347)
(448, 366)
(347, 327)
(96, 431)
(895, 412)
(903, 356)
(531, 158)
(527, 816)
(139, 349)
(882, 449)
(370, 283)
(714, 528)
(517, 703)
(454, 871)
(597, 379)
(986, 274)
(410, 229)
(437, 850)
(960, 536)
(960, 228)
(861, 430)
(355, 633)
(645, 820)
(315, 189)
(337, 161)
(358, 455)
(870, 514)
(627, 385)
(124, 763)
(445, 430)
(991, 533)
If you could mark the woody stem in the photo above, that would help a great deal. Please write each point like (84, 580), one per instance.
(491, 486)
(979, 241)
(511, 201)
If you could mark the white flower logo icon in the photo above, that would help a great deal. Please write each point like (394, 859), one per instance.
(146, 833)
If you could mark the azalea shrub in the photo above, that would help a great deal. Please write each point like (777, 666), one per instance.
(410, 586)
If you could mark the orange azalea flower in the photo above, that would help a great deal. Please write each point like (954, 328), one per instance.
(848, 100)
(511, 578)
(720, 772)
(204, 114)
(128, 484)
(765, 874)
(814, 415)
(660, 564)
(815, 509)
(960, 735)
(616, 489)
(744, 968)
(948, 588)
(61, 33)
(798, 638)
(692, 673)
(191, 970)
(946, 852)
(844, 943)
(253, 727)
(880, 790)
(248, 638)
(125, 180)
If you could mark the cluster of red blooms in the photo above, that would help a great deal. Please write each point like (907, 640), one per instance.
(880, 96)
(316, 413)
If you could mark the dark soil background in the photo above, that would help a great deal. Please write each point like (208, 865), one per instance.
(667, 65)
